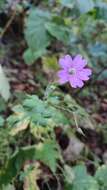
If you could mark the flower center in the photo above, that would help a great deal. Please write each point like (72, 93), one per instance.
(72, 71)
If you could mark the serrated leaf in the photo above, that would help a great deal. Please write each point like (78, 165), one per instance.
(82, 180)
(38, 112)
(44, 152)
(4, 85)
(48, 154)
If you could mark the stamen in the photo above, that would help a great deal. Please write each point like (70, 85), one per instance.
(72, 71)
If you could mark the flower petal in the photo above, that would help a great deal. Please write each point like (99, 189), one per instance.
(63, 76)
(75, 82)
(84, 74)
(79, 63)
(87, 71)
(65, 62)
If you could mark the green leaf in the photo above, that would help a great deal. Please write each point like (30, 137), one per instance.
(8, 187)
(85, 6)
(1, 121)
(68, 174)
(44, 152)
(103, 75)
(14, 164)
(4, 85)
(31, 56)
(5, 149)
(2, 3)
(101, 9)
(35, 32)
(98, 49)
(82, 118)
(50, 62)
(61, 33)
(2, 105)
(82, 180)
(67, 3)
(101, 176)
(48, 154)
(39, 113)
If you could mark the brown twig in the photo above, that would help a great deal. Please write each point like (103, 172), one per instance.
(9, 21)
(8, 24)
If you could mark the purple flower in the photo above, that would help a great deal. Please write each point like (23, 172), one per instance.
(73, 71)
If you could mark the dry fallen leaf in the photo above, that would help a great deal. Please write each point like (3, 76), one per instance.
(22, 125)
(30, 182)
(4, 85)
(72, 152)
